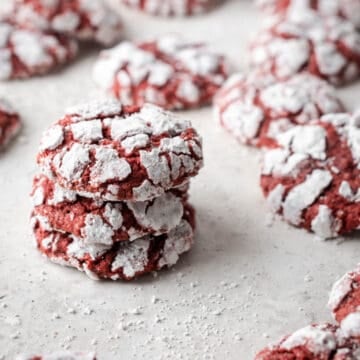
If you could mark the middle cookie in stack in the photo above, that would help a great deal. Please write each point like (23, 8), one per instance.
(112, 196)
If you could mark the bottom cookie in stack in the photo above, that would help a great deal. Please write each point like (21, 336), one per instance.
(98, 243)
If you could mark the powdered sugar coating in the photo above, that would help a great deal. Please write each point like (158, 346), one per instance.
(170, 7)
(349, 9)
(169, 72)
(256, 109)
(345, 295)
(312, 179)
(327, 47)
(83, 19)
(95, 164)
(318, 342)
(10, 123)
(125, 260)
(98, 222)
(62, 355)
(311, 342)
(25, 52)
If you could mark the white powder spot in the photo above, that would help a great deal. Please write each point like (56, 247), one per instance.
(109, 166)
(274, 199)
(304, 194)
(73, 162)
(164, 213)
(132, 258)
(52, 138)
(96, 231)
(350, 326)
(310, 140)
(156, 166)
(113, 215)
(340, 289)
(318, 339)
(87, 131)
(324, 224)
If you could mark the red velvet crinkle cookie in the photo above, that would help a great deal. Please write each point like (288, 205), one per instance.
(326, 47)
(170, 7)
(314, 342)
(313, 181)
(169, 72)
(318, 342)
(348, 9)
(61, 355)
(28, 52)
(107, 151)
(97, 222)
(123, 260)
(256, 109)
(345, 295)
(10, 123)
(83, 19)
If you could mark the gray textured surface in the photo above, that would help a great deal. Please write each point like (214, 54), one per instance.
(242, 286)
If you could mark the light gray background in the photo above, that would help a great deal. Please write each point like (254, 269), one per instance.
(244, 284)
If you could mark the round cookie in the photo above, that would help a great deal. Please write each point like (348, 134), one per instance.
(313, 180)
(314, 342)
(10, 123)
(170, 7)
(61, 355)
(345, 295)
(348, 9)
(98, 222)
(28, 52)
(107, 151)
(169, 72)
(123, 260)
(257, 109)
(326, 47)
(83, 19)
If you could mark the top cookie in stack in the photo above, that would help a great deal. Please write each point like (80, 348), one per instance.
(112, 196)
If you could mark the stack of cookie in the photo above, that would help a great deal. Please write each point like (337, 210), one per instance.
(112, 196)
